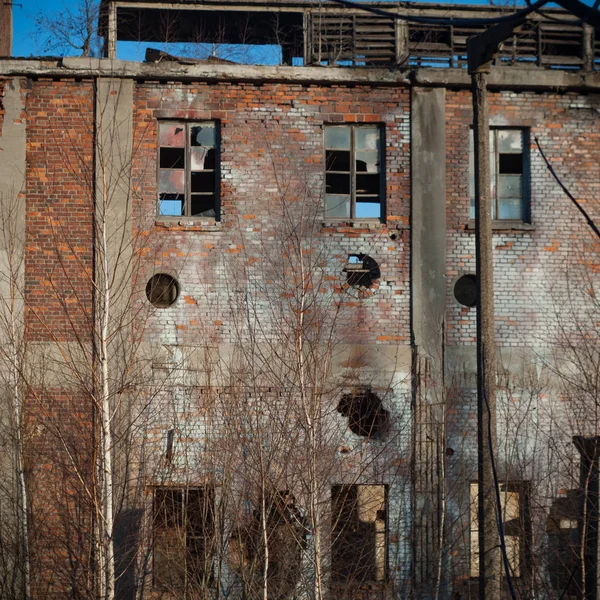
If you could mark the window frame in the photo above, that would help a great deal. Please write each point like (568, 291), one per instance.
(494, 175)
(182, 524)
(524, 528)
(187, 124)
(337, 491)
(381, 129)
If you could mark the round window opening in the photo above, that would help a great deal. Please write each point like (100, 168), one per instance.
(465, 290)
(162, 290)
(361, 270)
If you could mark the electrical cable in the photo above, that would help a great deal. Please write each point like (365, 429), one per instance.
(589, 220)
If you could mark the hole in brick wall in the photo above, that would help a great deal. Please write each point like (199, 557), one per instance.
(361, 270)
(162, 290)
(465, 290)
(365, 413)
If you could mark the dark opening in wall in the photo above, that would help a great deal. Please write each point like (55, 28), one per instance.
(361, 270)
(286, 530)
(465, 290)
(184, 536)
(162, 290)
(359, 523)
(366, 415)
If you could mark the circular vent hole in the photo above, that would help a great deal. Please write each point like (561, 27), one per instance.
(162, 290)
(465, 290)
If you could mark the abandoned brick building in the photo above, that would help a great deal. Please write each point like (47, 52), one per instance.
(238, 311)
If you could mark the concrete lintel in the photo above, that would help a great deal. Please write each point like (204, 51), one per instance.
(499, 78)
(93, 67)
(510, 78)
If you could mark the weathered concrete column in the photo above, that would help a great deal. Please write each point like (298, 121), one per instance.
(14, 504)
(489, 541)
(428, 266)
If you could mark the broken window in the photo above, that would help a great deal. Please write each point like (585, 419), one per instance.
(509, 174)
(183, 537)
(286, 539)
(514, 506)
(361, 271)
(359, 524)
(353, 171)
(188, 174)
(162, 290)
(366, 415)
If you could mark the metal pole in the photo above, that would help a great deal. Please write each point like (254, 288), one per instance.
(489, 542)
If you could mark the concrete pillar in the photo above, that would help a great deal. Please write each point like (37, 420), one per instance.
(13, 501)
(114, 143)
(428, 268)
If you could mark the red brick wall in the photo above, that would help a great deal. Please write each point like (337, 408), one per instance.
(539, 277)
(272, 148)
(530, 266)
(59, 458)
(58, 267)
(60, 118)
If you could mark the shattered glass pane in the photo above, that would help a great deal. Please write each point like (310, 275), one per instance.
(367, 161)
(367, 138)
(337, 205)
(337, 137)
(510, 163)
(337, 184)
(367, 184)
(203, 135)
(203, 206)
(172, 158)
(198, 155)
(171, 135)
(510, 141)
(170, 205)
(203, 181)
(337, 160)
(368, 210)
(172, 181)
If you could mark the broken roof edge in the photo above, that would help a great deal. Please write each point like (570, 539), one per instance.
(513, 78)
(445, 9)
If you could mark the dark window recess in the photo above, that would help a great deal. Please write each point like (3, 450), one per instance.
(465, 290)
(162, 290)
(365, 413)
(287, 540)
(183, 537)
(361, 271)
(188, 176)
(359, 523)
(509, 174)
(353, 171)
